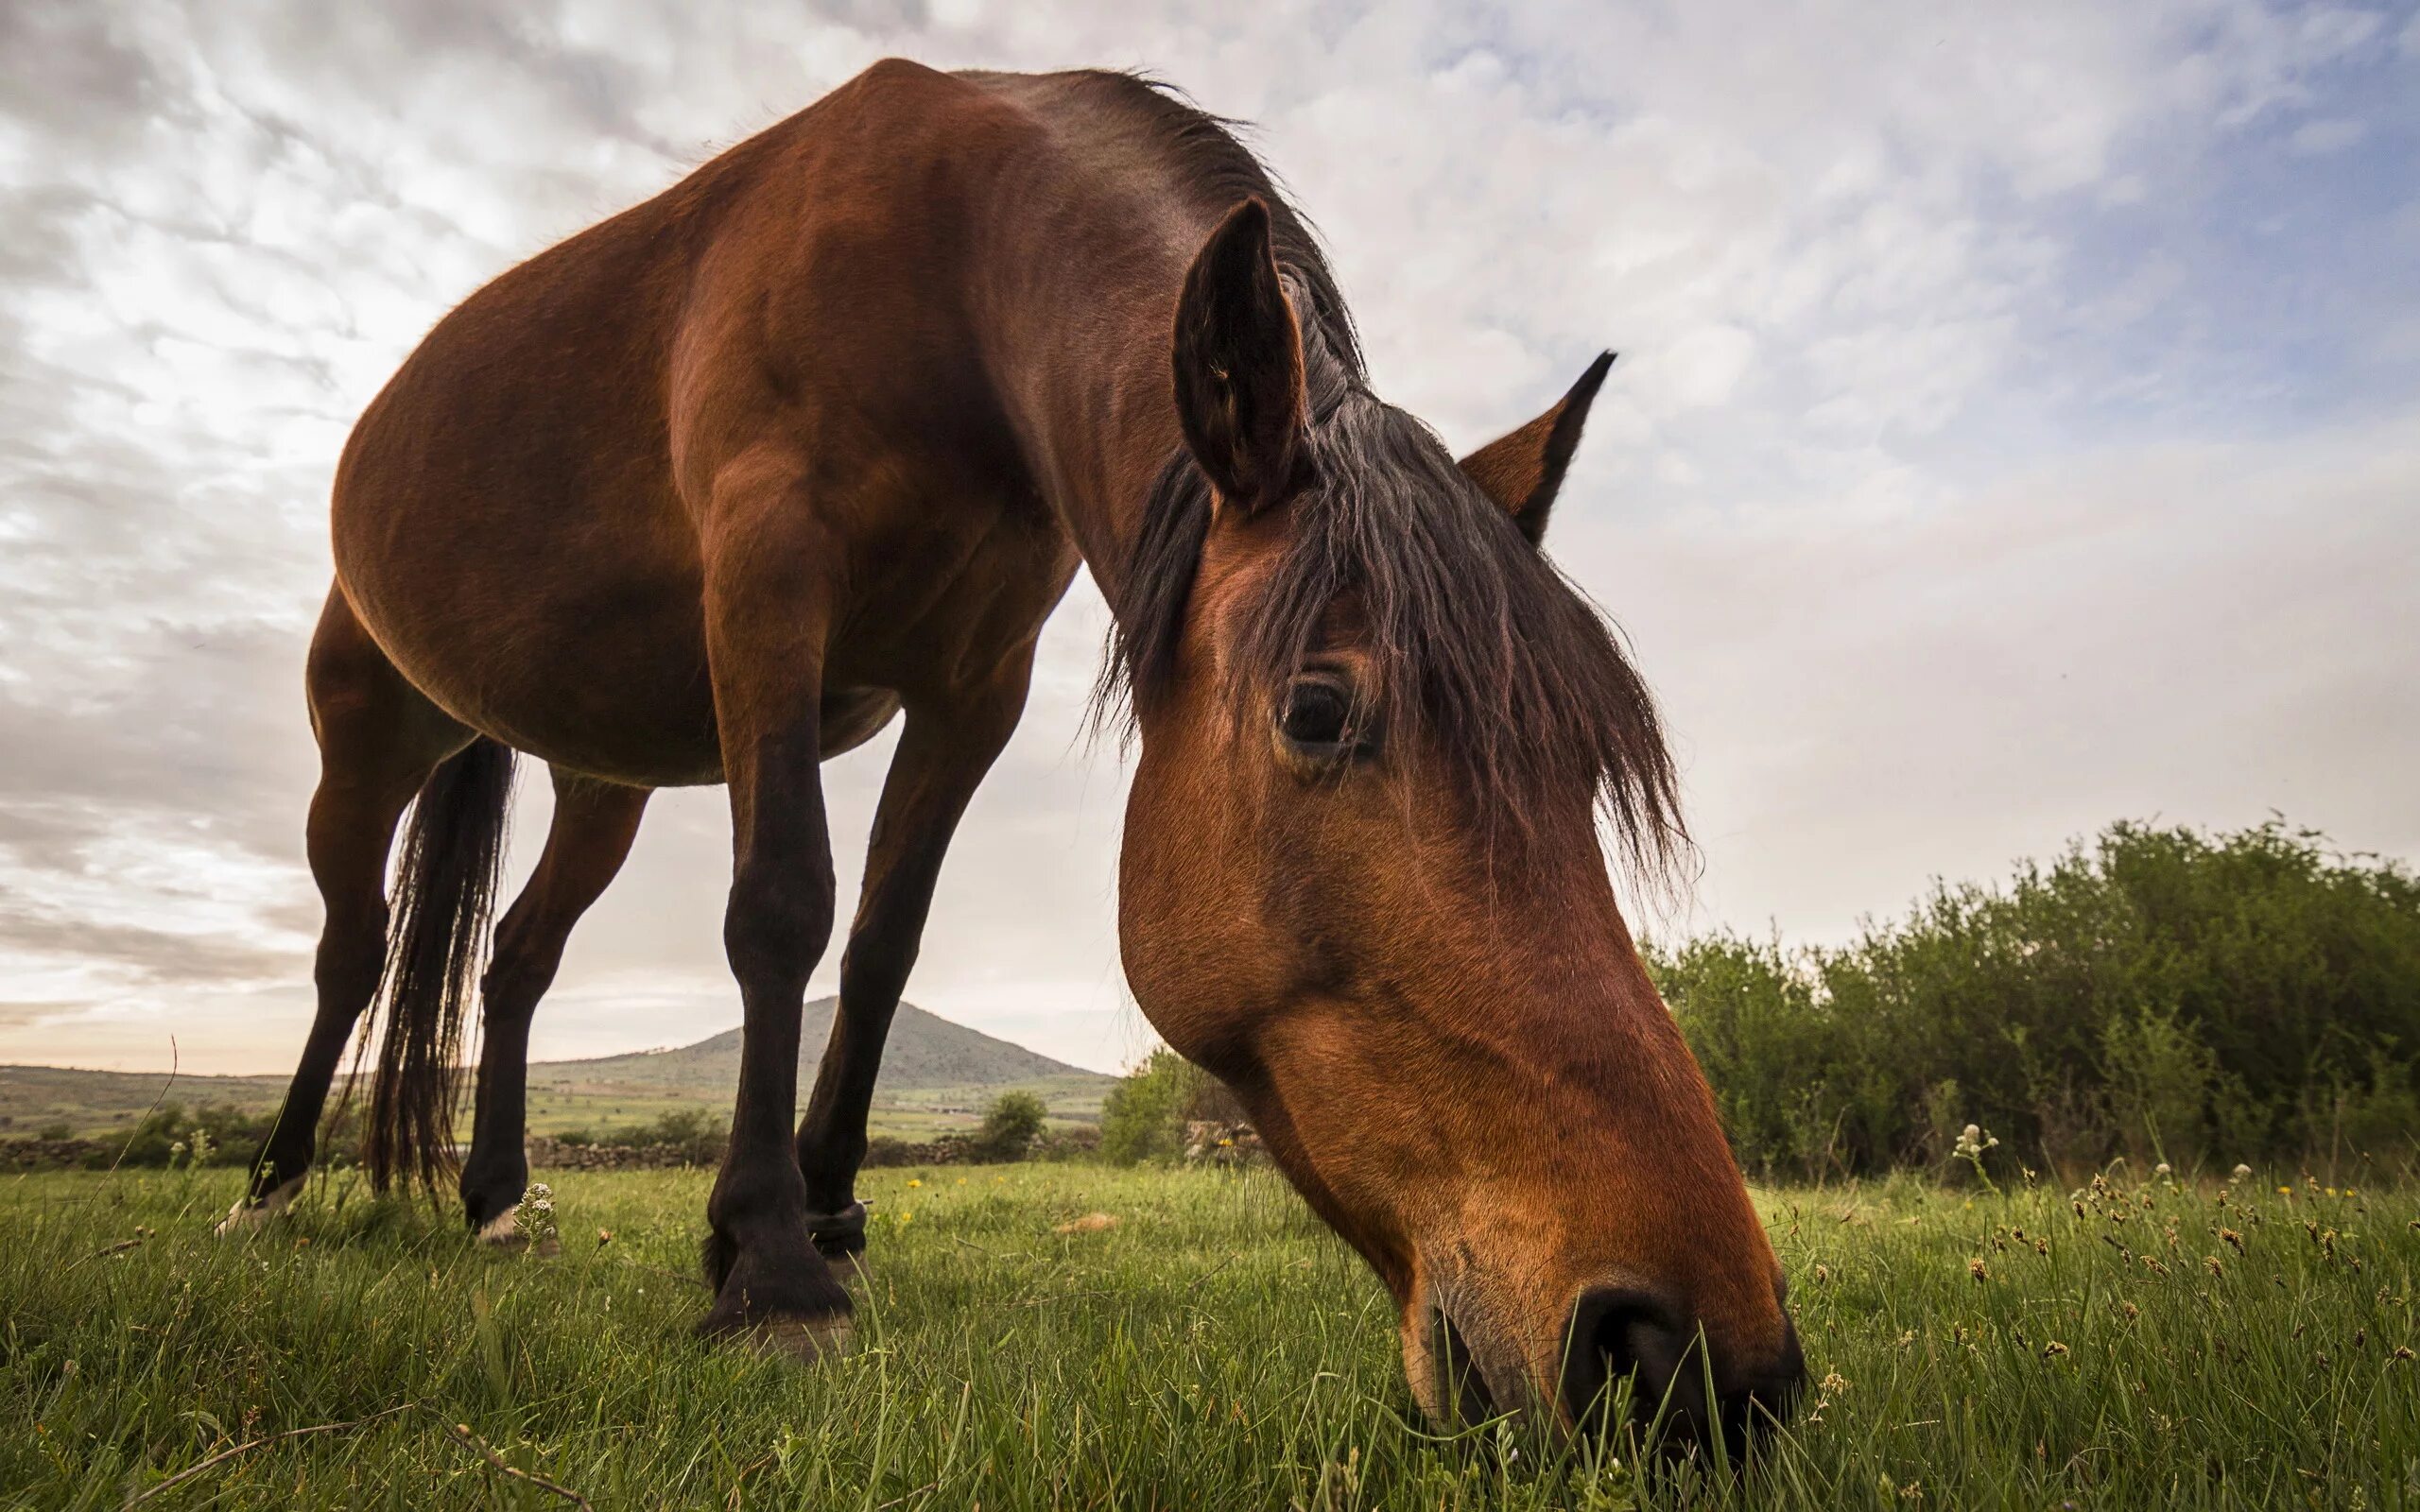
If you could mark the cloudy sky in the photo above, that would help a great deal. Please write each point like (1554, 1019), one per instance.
(2018, 429)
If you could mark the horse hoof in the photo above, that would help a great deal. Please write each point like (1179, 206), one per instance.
(503, 1231)
(247, 1215)
(800, 1340)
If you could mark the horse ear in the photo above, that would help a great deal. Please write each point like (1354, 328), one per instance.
(1239, 357)
(1523, 470)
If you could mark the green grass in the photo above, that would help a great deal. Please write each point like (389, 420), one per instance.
(1215, 1350)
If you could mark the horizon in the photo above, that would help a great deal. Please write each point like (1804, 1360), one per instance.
(2013, 434)
(177, 1073)
(470, 1063)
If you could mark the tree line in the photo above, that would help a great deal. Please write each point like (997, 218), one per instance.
(2160, 994)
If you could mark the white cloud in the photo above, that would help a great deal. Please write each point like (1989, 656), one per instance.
(1704, 367)
(2330, 134)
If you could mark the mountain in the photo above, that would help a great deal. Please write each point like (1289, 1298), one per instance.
(923, 1053)
(934, 1074)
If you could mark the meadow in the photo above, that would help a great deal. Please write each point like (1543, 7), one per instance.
(2145, 1343)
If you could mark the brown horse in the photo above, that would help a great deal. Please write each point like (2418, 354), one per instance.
(713, 490)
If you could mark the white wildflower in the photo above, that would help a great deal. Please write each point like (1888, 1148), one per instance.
(534, 1216)
(1972, 1142)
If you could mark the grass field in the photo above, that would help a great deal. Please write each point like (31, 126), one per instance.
(1214, 1350)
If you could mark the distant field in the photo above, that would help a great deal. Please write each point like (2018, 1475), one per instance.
(39, 1097)
(906, 1113)
(1215, 1350)
(937, 1076)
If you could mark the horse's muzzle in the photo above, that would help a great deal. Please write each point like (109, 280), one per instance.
(1678, 1391)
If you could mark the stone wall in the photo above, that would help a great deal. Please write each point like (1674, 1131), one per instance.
(53, 1154)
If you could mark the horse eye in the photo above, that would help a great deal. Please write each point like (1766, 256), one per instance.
(1318, 715)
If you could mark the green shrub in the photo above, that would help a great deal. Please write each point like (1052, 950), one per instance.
(1144, 1116)
(2162, 994)
(1010, 1125)
(698, 1135)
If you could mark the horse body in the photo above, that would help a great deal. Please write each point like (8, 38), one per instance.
(817, 437)
(523, 517)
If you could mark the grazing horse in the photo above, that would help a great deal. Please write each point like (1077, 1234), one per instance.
(815, 438)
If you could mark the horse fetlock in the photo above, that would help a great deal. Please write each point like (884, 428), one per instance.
(839, 1234)
(840, 1239)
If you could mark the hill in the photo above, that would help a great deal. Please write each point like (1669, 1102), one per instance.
(925, 1052)
(936, 1074)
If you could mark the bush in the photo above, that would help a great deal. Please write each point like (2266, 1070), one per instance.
(2163, 994)
(165, 1136)
(698, 1135)
(1010, 1125)
(1144, 1116)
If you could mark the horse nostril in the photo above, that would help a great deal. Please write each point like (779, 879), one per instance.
(1460, 1383)
(1765, 1401)
(1774, 1391)
(1617, 1333)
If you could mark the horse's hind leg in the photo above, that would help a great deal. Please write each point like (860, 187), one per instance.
(594, 825)
(379, 739)
(943, 753)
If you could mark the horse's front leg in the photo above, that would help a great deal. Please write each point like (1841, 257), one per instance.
(948, 745)
(766, 631)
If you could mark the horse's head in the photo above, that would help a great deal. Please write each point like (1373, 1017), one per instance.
(1363, 881)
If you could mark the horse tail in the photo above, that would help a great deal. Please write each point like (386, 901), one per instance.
(436, 934)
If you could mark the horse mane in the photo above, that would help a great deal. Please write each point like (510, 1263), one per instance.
(1209, 159)
(1493, 662)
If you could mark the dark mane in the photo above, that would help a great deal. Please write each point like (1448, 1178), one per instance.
(1206, 155)
(1492, 661)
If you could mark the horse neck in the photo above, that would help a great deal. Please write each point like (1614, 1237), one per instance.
(1079, 307)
